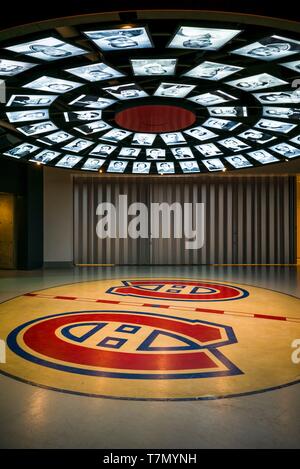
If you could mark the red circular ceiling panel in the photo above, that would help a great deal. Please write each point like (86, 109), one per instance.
(155, 118)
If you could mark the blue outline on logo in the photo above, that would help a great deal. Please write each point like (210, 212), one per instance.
(231, 368)
(128, 283)
(66, 331)
(146, 345)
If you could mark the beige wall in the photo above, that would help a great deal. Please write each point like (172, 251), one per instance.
(58, 215)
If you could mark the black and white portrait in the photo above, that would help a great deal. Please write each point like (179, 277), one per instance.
(279, 97)
(208, 149)
(155, 153)
(228, 111)
(154, 67)
(141, 167)
(9, 68)
(22, 150)
(275, 126)
(212, 71)
(23, 116)
(117, 166)
(45, 156)
(128, 91)
(238, 161)
(174, 90)
(48, 48)
(222, 124)
(143, 139)
(103, 150)
(173, 138)
(95, 72)
(209, 99)
(257, 82)
(88, 115)
(69, 161)
(165, 167)
(120, 39)
(256, 136)
(189, 166)
(200, 133)
(57, 137)
(296, 139)
(191, 37)
(281, 112)
(286, 150)
(115, 135)
(92, 164)
(182, 153)
(214, 164)
(40, 128)
(127, 152)
(93, 102)
(263, 156)
(78, 145)
(270, 48)
(295, 65)
(234, 144)
(93, 127)
(55, 85)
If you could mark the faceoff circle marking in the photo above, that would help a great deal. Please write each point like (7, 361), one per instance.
(175, 346)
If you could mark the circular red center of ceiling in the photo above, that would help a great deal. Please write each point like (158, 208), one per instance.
(155, 118)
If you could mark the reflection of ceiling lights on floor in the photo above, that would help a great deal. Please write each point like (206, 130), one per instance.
(119, 99)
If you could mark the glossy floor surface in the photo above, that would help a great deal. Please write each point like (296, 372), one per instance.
(34, 417)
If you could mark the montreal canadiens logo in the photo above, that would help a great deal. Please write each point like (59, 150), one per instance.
(179, 290)
(126, 344)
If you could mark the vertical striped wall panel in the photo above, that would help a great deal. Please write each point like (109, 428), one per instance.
(88, 248)
(248, 220)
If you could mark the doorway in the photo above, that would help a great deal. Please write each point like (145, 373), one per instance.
(7, 231)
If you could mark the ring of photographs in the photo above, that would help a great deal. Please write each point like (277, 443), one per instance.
(61, 98)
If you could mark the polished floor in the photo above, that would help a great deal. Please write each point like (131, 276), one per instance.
(34, 417)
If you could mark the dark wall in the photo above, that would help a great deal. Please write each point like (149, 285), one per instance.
(26, 183)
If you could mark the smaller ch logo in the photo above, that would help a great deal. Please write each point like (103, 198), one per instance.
(179, 290)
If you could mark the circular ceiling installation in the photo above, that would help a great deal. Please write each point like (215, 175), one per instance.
(155, 98)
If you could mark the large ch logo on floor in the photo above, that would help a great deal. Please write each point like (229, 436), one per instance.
(126, 344)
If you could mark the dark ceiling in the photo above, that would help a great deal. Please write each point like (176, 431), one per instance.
(32, 10)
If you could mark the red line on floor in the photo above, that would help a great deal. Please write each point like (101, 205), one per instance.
(204, 310)
(166, 306)
(149, 305)
(265, 316)
(112, 302)
(65, 297)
